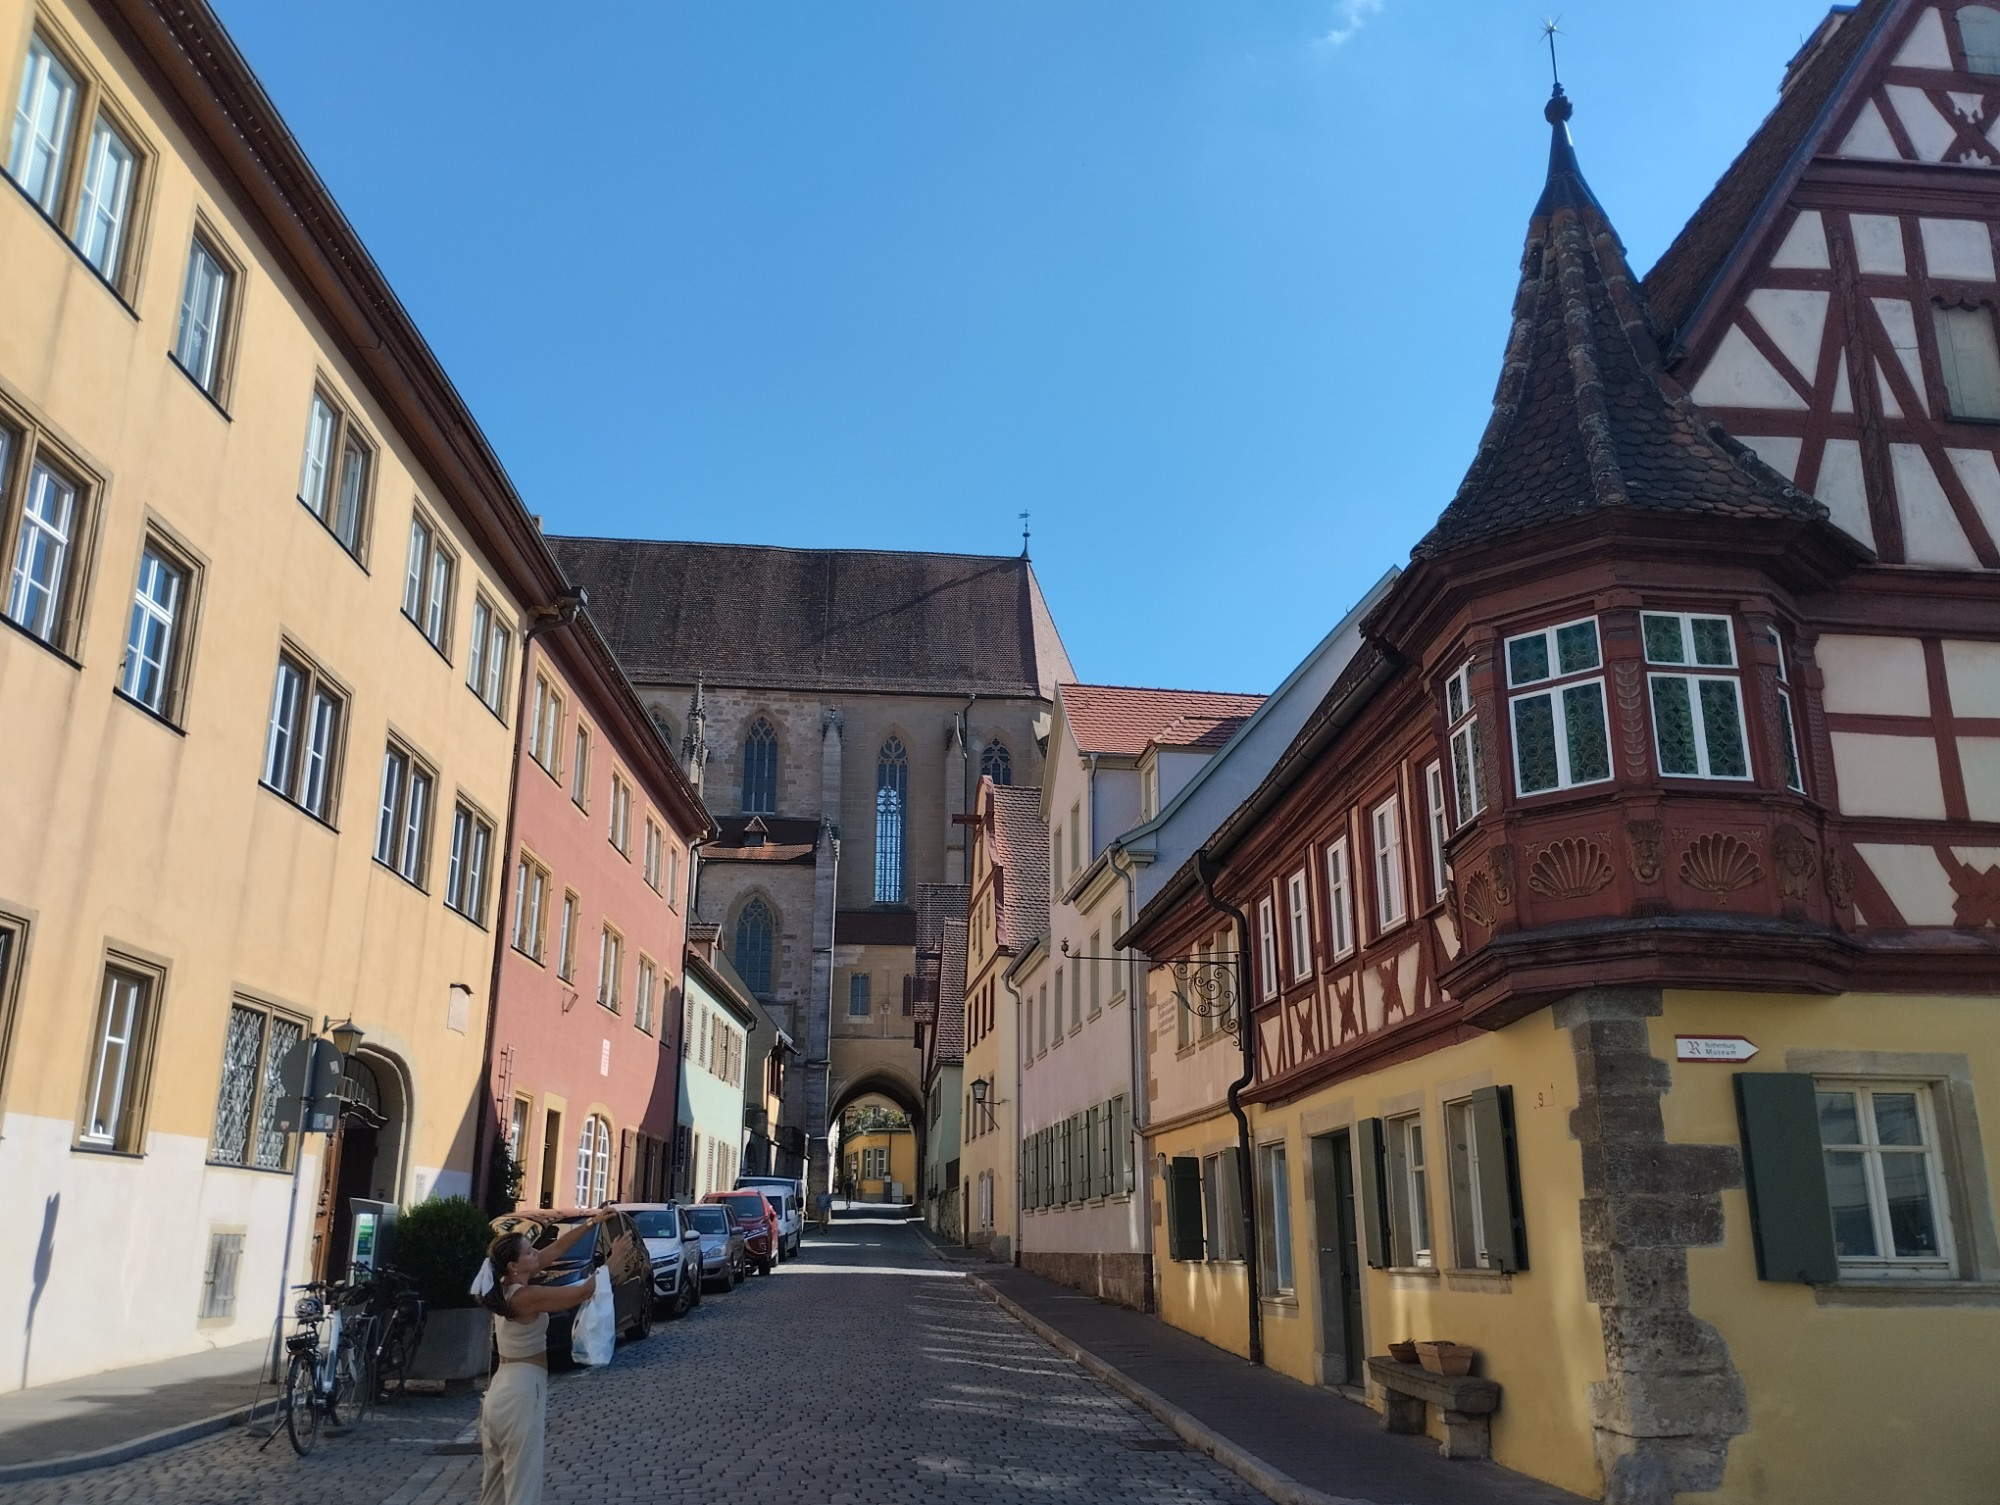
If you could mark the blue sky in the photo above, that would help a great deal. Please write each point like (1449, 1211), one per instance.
(1216, 291)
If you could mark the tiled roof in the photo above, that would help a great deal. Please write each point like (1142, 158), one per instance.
(1683, 276)
(811, 619)
(951, 995)
(1582, 422)
(1124, 720)
(1021, 851)
(783, 839)
(937, 903)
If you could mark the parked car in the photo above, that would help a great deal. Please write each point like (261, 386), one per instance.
(675, 1250)
(789, 1197)
(724, 1255)
(756, 1220)
(626, 1264)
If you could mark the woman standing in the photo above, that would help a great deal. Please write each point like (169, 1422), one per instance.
(513, 1417)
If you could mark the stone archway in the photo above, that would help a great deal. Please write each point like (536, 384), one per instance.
(900, 1089)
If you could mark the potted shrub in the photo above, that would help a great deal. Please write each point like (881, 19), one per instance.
(439, 1245)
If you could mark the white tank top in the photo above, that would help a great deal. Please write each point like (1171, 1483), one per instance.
(520, 1340)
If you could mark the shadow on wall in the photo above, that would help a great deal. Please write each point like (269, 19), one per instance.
(45, 1258)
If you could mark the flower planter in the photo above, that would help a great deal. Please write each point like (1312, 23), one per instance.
(1404, 1352)
(457, 1345)
(1443, 1357)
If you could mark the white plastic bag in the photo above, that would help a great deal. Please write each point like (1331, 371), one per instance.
(595, 1334)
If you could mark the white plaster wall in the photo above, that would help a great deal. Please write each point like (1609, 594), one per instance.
(127, 1248)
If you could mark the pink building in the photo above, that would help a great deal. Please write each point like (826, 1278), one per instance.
(585, 1071)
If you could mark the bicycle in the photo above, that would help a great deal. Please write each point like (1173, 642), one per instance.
(324, 1382)
(402, 1330)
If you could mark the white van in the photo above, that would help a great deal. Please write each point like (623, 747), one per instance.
(789, 1197)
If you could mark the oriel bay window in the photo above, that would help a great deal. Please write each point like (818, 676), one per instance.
(1468, 767)
(246, 1106)
(403, 821)
(1561, 737)
(333, 477)
(302, 742)
(1697, 717)
(43, 508)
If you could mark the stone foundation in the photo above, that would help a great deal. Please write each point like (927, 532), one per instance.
(1671, 1398)
(1117, 1278)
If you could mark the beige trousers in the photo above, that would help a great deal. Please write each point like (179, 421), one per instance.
(511, 1425)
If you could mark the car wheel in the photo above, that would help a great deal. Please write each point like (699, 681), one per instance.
(690, 1296)
(642, 1324)
(764, 1267)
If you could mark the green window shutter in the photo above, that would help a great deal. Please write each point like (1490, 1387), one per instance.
(1184, 1238)
(1785, 1173)
(1499, 1189)
(1374, 1204)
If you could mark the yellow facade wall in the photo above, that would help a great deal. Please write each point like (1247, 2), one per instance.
(1535, 1334)
(121, 832)
(1847, 1403)
(902, 1147)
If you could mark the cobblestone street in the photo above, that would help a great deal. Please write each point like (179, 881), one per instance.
(864, 1371)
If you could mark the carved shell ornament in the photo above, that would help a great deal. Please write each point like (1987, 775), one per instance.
(1720, 864)
(1646, 841)
(1480, 904)
(1572, 868)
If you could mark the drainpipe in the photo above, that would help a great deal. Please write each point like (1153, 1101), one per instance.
(1247, 1031)
(1007, 982)
(1139, 1009)
(546, 619)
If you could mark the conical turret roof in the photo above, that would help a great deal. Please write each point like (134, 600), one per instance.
(1585, 419)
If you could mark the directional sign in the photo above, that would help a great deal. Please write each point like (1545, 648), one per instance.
(1712, 1048)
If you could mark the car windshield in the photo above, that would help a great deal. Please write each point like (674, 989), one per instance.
(657, 1222)
(746, 1212)
(708, 1219)
(577, 1252)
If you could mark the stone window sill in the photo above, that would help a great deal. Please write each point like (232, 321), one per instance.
(1963, 1293)
(1413, 1277)
(1286, 1305)
(1480, 1282)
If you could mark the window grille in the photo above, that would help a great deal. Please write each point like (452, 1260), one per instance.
(218, 1286)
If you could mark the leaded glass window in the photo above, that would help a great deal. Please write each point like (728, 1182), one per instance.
(1698, 725)
(996, 763)
(1562, 737)
(760, 769)
(892, 780)
(1468, 772)
(248, 1103)
(754, 931)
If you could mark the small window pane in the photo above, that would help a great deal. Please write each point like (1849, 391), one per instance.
(1970, 361)
(1979, 29)
(1576, 647)
(202, 296)
(1907, 1188)
(281, 743)
(1794, 778)
(1589, 742)
(41, 556)
(1847, 1190)
(150, 635)
(41, 126)
(1714, 643)
(107, 194)
(1896, 1120)
(1838, 1121)
(1528, 659)
(353, 489)
(1535, 743)
(1673, 720)
(273, 1144)
(322, 731)
(1663, 639)
(1722, 727)
(320, 424)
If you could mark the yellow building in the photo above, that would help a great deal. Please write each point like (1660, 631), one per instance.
(881, 1159)
(266, 591)
(1008, 909)
(1618, 940)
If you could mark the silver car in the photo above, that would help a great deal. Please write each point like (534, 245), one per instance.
(725, 1258)
(675, 1250)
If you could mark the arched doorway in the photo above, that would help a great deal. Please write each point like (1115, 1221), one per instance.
(893, 1091)
(365, 1155)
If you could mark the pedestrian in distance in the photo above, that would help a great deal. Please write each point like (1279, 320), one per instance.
(514, 1415)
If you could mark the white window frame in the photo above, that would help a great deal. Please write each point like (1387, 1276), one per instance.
(1438, 820)
(44, 574)
(1890, 1266)
(302, 742)
(156, 633)
(492, 645)
(43, 67)
(621, 815)
(1410, 1204)
(1468, 771)
(127, 1005)
(471, 852)
(1468, 1209)
(1298, 909)
(208, 292)
(1385, 826)
(104, 209)
(1795, 771)
(545, 719)
(1692, 674)
(1556, 686)
(655, 842)
(531, 895)
(1340, 898)
(610, 969)
(566, 936)
(1267, 950)
(404, 815)
(428, 569)
(1274, 1214)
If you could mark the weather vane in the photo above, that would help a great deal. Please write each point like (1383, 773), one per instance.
(1551, 29)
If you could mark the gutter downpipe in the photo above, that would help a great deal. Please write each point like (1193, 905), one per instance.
(1140, 1008)
(546, 619)
(1247, 1031)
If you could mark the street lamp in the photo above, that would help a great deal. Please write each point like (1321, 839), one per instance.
(980, 1089)
(346, 1036)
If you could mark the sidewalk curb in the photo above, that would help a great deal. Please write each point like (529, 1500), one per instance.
(1275, 1483)
(137, 1447)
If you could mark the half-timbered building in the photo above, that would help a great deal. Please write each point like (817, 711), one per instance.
(1619, 935)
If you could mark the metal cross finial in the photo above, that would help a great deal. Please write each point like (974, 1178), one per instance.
(1024, 535)
(1551, 29)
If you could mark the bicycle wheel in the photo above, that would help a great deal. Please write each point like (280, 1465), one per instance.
(353, 1378)
(399, 1351)
(301, 1403)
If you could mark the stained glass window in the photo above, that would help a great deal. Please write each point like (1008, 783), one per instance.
(754, 930)
(892, 779)
(760, 770)
(996, 763)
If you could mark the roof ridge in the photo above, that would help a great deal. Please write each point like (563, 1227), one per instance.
(1078, 684)
(779, 548)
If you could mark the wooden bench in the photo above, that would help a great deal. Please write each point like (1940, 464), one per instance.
(1466, 1403)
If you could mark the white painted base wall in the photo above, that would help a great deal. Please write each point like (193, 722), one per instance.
(111, 1250)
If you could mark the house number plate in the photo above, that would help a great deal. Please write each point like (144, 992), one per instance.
(1712, 1048)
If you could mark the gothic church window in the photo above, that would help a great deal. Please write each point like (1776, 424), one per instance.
(1969, 358)
(760, 770)
(892, 784)
(996, 763)
(1979, 29)
(754, 929)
